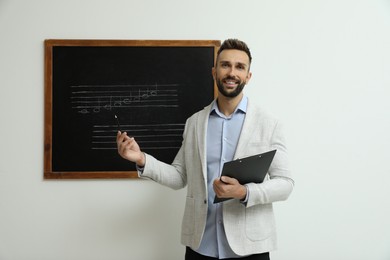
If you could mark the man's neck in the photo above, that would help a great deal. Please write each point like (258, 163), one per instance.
(227, 105)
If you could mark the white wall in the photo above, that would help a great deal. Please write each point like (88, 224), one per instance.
(322, 66)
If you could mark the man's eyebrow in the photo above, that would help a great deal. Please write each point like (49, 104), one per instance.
(242, 64)
(237, 63)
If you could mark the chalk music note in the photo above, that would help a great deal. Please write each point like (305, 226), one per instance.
(96, 109)
(108, 106)
(118, 103)
(145, 95)
(138, 98)
(127, 100)
(153, 92)
(84, 111)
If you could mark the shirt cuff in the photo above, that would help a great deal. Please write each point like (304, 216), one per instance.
(245, 200)
(140, 170)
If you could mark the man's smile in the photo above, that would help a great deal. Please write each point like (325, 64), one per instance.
(231, 82)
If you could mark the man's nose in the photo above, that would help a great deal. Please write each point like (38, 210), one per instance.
(232, 71)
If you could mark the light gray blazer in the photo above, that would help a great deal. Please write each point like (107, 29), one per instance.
(249, 228)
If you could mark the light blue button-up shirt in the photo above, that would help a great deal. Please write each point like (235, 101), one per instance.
(222, 138)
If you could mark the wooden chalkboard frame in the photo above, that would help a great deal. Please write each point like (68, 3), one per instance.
(49, 44)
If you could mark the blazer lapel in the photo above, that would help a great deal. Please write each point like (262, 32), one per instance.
(201, 125)
(246, 132)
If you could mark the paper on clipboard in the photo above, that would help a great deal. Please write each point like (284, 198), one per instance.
(248, 169)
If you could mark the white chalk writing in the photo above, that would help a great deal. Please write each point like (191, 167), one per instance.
(90, 99)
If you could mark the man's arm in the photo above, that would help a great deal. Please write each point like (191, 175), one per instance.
(280, 184)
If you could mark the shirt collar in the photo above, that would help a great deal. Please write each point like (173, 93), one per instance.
(242, 106)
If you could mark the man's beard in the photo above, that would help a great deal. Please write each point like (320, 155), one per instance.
(232, 94)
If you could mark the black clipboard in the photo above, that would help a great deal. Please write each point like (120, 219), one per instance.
(248, 169)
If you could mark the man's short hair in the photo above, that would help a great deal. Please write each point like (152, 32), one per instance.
(235, 44)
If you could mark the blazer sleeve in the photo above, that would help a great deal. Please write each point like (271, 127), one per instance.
(279, 183)
(171, 175)
(163, 173)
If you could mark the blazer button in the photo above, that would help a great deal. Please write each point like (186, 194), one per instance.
(205, 201)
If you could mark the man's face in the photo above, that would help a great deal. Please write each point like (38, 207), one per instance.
(231, 72)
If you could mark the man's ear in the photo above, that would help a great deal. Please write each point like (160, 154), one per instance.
(213, 72)
(248, 77)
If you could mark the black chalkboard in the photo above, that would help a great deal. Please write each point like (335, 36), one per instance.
(95, 87)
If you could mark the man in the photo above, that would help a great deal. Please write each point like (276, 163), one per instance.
(230, 127)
